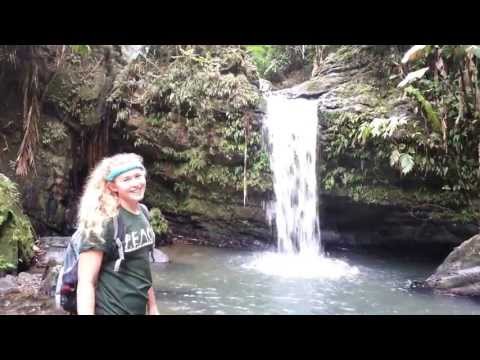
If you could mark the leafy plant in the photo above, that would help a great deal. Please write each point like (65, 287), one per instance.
(5, 265)
(158, 221)
(271, 60)
(82, 50)
(14, 225)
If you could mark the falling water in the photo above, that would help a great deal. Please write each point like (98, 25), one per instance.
(290, 127)
(130, 52)
(291, 130)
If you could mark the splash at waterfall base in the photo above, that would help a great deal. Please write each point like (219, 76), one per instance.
(306, 266)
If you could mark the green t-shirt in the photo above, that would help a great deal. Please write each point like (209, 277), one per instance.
(124, 292)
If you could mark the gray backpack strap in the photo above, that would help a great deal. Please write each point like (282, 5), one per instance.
(145, 211)
(147, 215)
(118, 241)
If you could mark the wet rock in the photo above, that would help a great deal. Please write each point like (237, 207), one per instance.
(459, 274)
(24, 278)
(49, 282)
(27, 304)
(53, 249)
(160, 256)
(8, 284)
(29, 283)
(345, 222)
(265, 86)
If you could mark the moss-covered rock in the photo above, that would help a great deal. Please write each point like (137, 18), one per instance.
(79, 89)
(16, 235)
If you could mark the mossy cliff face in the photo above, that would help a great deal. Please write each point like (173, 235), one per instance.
(191, 111)
(365, 198)
(72, 124)
(47, 196)
(77, 92)
(188, 110)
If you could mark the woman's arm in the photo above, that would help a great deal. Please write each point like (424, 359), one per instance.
(152, 304)
(89, 264)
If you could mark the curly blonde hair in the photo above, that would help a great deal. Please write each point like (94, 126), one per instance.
(98, 204)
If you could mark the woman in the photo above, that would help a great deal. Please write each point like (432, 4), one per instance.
(114, 275)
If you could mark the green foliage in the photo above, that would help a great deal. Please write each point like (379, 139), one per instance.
(5, 265)
(81, 50)
(261, 55)
(406, 162)
(274, 59)
(437, 149)
(205, 97)
(195, 87)
(449, 98)
(53, 132)
(158, 221)
(14, 225)
(426, 106)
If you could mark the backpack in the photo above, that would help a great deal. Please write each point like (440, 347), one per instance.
(67, 281)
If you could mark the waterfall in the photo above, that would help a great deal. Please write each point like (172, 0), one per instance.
(290, 128)
(130, 52)
(290, 131)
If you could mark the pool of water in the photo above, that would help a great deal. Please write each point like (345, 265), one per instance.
(209, 281)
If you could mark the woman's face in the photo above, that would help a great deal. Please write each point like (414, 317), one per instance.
(130, 185)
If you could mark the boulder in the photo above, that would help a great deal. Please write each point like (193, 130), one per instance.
(459, 274)
(49, 281)
(160, 256)
(53, 249)
(8, 284)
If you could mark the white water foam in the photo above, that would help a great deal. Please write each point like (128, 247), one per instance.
(301, 266)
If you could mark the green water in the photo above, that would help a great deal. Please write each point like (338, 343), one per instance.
(202, 280)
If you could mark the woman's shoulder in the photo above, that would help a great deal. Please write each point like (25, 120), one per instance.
(101, 234)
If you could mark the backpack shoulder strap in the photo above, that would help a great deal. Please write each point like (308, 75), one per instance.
(118, 235)
(147, 215)
(145, 211)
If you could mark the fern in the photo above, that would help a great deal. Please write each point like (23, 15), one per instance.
(406, 163)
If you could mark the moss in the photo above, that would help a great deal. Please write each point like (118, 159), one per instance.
(16, 233)
(160, 197)
(89, 115)
(6, 265)
(314, 86)
(440, 205)
(80, 86)
(346, 53)
(206, 208)
(60, 90)
(427, 107)
(220, 209)
(92, 90)
(158, 221)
